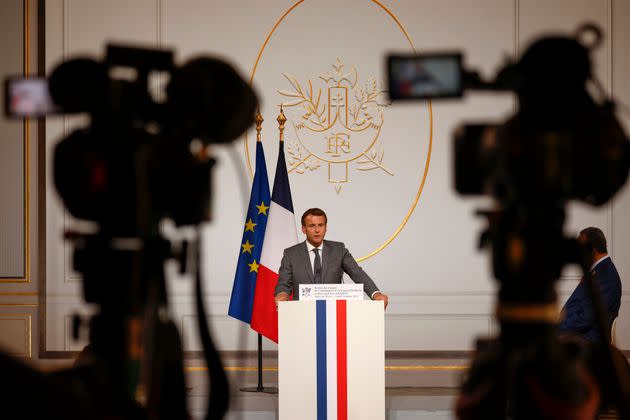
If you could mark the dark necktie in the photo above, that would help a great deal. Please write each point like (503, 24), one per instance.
(317, 267)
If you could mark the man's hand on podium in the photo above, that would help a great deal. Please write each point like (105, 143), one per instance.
(380, 296)
(282, 296)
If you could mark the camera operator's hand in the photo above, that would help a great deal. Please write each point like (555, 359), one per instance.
(282, 296)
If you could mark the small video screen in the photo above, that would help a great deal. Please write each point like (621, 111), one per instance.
(28, 97)
(425, 76)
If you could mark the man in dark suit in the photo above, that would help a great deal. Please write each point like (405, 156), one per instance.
(318, 261)
(578, 311)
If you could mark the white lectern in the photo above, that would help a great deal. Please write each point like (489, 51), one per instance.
(331, 359)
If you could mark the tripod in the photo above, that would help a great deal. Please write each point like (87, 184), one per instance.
(529, 371)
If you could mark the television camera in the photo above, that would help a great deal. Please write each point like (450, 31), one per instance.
(560, 145)
(141, 159)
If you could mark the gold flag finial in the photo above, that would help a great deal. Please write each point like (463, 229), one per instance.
(281, 120)
(259, 121)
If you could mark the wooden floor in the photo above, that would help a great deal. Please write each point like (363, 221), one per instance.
(402, 403)
(416, 388)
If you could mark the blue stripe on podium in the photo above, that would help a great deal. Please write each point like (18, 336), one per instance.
(322, 391)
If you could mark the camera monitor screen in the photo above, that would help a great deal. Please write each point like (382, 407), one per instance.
(424, 76)
(28, 97)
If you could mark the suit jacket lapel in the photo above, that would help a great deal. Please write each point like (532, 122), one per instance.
(326, 260)
(306, 261)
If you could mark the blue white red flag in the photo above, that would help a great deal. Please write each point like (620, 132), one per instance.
(281, 234)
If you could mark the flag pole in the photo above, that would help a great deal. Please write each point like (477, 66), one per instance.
(260, 387)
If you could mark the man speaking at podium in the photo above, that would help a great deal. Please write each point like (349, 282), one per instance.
(318, 261)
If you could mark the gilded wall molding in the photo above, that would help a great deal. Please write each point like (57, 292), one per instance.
(27, 343)
(26, 278)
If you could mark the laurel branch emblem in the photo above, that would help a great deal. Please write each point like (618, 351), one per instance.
(339, 129)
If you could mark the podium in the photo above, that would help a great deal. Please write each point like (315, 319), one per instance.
(331, 360)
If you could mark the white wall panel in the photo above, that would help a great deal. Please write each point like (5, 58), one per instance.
(89, 24)
(620, 235)
(19, 275)
(16, 337)
(226, 332)
(59, 313)
(416, 322)
(539, 17)
(441, 288)
(622, 338)
(427, 332)
(403, 332)
(79, 28)
(12, 151)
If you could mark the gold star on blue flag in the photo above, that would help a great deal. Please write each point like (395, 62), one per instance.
(262, 209)
(242, 299)
(247, 247)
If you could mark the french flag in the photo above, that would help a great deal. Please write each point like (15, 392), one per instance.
(280, 234)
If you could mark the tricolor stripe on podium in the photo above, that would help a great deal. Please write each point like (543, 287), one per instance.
(331, 360)
(332, 357)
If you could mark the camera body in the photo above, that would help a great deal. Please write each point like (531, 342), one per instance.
(560, 145)
(141, 159)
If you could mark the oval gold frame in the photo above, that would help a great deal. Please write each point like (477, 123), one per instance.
(428, 160)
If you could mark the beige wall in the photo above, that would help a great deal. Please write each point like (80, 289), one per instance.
(12, 152)
(18, 176)
(441, 291)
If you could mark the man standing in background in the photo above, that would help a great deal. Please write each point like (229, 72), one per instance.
(578, 311)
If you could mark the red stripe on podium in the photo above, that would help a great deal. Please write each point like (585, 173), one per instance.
(342, 362)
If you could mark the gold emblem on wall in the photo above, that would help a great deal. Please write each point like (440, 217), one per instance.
(337, 121)
(423, 120)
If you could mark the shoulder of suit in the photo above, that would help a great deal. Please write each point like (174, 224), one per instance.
(606, 266)
(334, 244)
(297, 246)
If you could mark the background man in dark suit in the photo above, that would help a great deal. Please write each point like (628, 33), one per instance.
(318, 261)
(578, 311)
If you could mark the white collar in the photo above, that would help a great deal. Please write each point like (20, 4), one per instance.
(310, 247)
(598, 261)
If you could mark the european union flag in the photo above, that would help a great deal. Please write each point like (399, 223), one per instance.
(242, 299)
